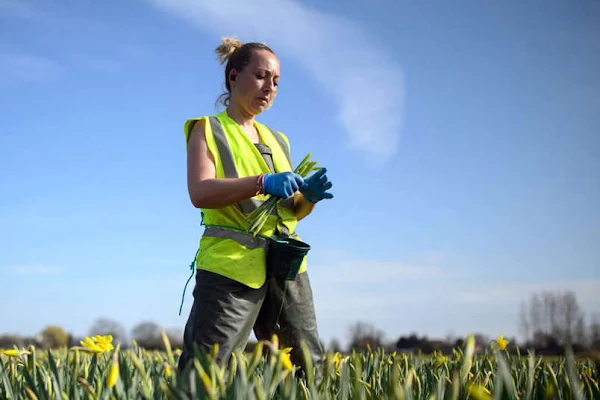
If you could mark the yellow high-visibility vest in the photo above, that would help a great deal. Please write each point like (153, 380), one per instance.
(225, 248)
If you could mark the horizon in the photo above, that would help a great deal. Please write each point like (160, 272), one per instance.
(462, 142)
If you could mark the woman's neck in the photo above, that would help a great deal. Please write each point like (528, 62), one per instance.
(244, 120)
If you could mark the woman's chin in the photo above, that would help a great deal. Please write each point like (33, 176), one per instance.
(258, 109)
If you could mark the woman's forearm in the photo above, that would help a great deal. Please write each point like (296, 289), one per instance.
(222, 192)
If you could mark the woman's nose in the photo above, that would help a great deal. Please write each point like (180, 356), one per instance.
(270, 85)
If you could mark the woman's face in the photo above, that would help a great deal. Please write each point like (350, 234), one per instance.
(255, 87)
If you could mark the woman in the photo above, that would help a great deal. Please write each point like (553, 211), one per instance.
(235, 163)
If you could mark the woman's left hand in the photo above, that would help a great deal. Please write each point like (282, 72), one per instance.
(315, 187)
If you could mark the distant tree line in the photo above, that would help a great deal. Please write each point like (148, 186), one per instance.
(549, 322)
(146, 334)
(552, 320)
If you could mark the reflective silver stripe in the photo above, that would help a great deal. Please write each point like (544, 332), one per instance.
(282, 144)
(245, 239)
(224, 149)
(289, 202)
(247, 205)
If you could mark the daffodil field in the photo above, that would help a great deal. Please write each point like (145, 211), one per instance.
(99, 370)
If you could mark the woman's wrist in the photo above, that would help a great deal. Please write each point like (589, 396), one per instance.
(260, 184)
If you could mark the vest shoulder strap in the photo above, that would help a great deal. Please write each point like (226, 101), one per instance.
(282, 143)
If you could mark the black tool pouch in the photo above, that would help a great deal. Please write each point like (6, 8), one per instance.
(284, 257)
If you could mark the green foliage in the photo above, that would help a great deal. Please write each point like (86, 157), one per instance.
(54, 336)
(149, 374)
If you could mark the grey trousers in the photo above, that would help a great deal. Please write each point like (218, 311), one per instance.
(225, 312)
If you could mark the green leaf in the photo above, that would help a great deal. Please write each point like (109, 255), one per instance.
(7, 385)
(575, 383)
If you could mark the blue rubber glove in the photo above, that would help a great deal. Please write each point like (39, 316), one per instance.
(315, 187)
(283, 184)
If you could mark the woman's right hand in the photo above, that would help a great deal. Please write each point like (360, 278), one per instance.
(283, 184)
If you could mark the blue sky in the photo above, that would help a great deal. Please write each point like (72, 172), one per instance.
(462, 141)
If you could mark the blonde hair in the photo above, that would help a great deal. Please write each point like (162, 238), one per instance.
(235, 55)
(227, 47)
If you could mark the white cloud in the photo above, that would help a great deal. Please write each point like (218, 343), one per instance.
(355, 71)
(33, 269)
(28, 68)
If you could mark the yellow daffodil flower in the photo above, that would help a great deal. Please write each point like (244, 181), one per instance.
(103, 340)
(113, 374)
(275, 340)
(286, 360)
(11, 352)
(90, 346)
(337, 358)
(337, 361)
(15, 352)
(97, 344)
(439, 360)
(500, 343)
(479, 392)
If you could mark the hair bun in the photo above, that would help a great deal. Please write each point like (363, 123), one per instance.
(228, 46)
